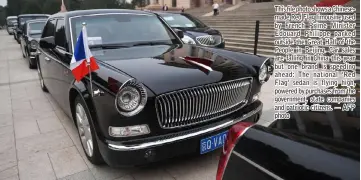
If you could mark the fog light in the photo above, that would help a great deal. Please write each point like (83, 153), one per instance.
(129, 131)
(255, 97)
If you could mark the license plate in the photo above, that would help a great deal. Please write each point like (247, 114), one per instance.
(212, 143)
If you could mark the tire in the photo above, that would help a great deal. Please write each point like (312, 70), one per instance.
(22, 51)
(86, 131)
(31, 65)
(41, 80)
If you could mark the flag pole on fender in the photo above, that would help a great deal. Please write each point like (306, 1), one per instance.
(88, 59)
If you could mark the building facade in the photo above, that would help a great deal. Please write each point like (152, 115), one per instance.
(178, 4)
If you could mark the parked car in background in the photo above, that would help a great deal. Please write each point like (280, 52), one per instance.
(172, 106)
(310, 145)
(29, 40)
(10, 24)
(195, 31)
(14, 30)
(21, 21)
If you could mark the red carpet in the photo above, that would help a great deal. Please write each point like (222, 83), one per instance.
(329, 3)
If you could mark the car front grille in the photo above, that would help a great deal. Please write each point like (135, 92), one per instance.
(201, 104)
(209, 40)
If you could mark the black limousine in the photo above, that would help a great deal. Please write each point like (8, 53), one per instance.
(195, 31)
(309, 145)
(148, 103)
(22, 18)
(29, 40)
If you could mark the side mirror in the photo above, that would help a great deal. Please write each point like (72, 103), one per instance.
(179, 32)
(48, 42)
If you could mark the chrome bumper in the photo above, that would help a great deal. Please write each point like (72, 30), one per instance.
(183, 137)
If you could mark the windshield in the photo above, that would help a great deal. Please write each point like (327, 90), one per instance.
(11, 22)
(182, 20)
(27, 18)
(36, 28)
(122, 29)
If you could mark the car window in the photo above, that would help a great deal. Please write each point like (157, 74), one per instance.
(122, 28)
(35, 29)
(25, 28)
(22, 20)
(11, 22)
(60, 34)
(182, 20)
(49, 29)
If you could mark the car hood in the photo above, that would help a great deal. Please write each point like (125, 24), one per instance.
(35, 38)
(162, 68)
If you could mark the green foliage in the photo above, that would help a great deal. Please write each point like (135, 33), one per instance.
(2, 15)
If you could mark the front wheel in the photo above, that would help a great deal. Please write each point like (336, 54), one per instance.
(86, 132)
(32, 64)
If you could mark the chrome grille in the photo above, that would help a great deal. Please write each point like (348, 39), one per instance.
(201, 104)
(209, 40)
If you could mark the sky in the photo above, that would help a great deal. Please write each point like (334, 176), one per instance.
(3, 2)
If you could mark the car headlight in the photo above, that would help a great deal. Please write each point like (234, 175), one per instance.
(33, 44)
(265, 71)
(131, 98)
(188, 40)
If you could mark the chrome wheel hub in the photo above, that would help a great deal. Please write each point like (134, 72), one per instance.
(84, 129)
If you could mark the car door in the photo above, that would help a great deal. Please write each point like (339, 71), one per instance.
(62, 75)
(47, 54)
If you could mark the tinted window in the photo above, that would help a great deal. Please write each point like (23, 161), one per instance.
(182, 20)
(60, 33)
(49, 29)
(36, 28)
(22, 20)
(25, 27)
(122, 28)
(11, 22)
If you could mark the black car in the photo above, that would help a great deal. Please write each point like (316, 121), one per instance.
(10, 24)
(21, 21)
(29, 40)
(310, 145)
(195, 31)
(150, 99)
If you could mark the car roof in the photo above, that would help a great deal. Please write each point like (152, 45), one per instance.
(11, 17)
(70, 14)
(26, 15)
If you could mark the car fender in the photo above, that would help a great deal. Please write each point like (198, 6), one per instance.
(79, 88)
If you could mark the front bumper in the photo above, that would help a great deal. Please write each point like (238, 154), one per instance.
(118, 154)
(10, 31)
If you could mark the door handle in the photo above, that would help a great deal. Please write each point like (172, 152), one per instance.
(47, 59)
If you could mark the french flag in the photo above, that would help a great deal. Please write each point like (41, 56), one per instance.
(82, 57)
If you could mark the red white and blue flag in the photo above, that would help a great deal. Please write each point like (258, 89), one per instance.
(82, 57)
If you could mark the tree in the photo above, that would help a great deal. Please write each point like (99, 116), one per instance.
(2, 16)
(51, 6)
(13, 7)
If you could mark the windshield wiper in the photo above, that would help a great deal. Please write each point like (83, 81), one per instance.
(109, 46)
(151, 44)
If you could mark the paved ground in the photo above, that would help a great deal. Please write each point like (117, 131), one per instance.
(38, 142)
